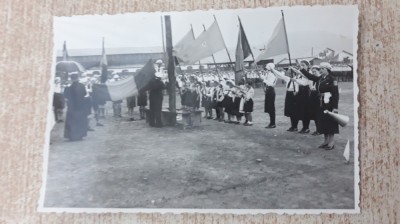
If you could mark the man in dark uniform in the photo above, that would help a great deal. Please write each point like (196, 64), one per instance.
(155, 87)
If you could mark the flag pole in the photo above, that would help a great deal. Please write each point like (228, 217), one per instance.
(162, 38)
(287, 41)
(171, 66)
(212, 55)
(229, 56)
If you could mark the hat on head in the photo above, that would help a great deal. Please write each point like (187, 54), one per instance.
(305, 62)
(270, 66)
(116, 76)
(315, 66)
(325, 65)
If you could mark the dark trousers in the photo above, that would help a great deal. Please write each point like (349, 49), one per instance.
(155, 118)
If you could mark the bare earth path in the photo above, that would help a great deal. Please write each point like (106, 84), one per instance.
(130, 165)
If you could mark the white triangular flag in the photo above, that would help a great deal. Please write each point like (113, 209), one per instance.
(346, 152)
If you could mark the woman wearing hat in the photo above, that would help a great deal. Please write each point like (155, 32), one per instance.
(327, 87)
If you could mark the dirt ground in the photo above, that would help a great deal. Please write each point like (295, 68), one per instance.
(127, 164)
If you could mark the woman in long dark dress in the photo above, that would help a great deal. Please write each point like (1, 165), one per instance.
(76, 122)
(328, 89)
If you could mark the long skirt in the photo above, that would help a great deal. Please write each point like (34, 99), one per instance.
(326, 124)
(290, 102)
(313, 105)
(301, 99)
(76, 124)
(269, 101)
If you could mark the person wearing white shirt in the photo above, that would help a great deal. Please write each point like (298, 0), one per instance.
(269, 101)
(248, 103)
(292, 89)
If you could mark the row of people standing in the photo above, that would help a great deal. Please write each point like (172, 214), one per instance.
(308, 95)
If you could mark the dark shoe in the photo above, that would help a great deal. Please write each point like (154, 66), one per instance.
(99, 124)
(216, 119)
(221, 120)
(248, 124)
(271, 126)
(132, 119)
(209, 118)
(329, 147)
(292, 129)
(236, 122)
(304, 131)
(322, 146)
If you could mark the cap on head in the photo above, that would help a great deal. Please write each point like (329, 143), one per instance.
(270, 66)
(325, 65)
(116, 76)
(315, 67)
(305, 62)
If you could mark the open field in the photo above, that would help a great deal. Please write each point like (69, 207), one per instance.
(130, 165)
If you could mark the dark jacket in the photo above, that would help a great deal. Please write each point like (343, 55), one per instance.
(324, 85)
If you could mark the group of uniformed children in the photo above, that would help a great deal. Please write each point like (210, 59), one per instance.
(309, 92)
(223, 97)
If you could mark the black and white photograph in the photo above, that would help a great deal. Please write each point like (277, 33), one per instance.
(215, 111)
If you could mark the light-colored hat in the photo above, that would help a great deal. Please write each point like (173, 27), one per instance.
(116, 76)
(270, 66)
(315, 66)
(325, 65)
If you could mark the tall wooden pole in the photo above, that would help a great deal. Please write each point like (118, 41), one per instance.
(171, 65)
(163, 44)
(287, 41)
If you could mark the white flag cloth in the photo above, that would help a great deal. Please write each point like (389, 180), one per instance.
(277, 44)
(183, 44)
(346, 152)
(208, 43)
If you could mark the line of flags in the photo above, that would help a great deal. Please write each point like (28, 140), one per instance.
(190, 49)
(208, 43)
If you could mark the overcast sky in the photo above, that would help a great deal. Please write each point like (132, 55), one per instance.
(144, 29)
